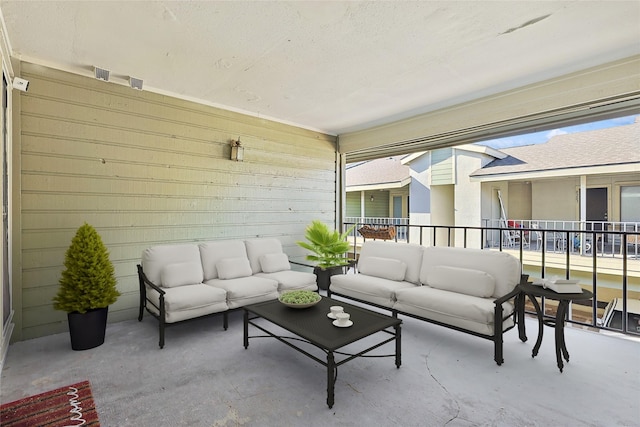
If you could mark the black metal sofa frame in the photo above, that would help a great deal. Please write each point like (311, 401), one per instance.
(497, 337)
(162, 324)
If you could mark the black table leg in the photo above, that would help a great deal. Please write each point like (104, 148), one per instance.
(331, 378)
(522, 332)
(398, 329)
(561, 348)
(246, 329)
(540, 315)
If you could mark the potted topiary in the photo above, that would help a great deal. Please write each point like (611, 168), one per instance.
(328, 248)
(87, 288)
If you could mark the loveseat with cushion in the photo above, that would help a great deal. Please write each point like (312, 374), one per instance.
(469, 290)
(185, 281)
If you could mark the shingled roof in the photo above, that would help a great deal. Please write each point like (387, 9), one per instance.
(386, 170)
(604, 147)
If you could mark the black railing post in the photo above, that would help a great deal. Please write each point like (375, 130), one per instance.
(568, 263)
(625, 317)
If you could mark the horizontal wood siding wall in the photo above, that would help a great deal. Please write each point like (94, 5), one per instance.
(146, 169)
(442, 166)
(379, 207)
(353, 203)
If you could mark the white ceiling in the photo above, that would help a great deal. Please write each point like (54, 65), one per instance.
(333, 66)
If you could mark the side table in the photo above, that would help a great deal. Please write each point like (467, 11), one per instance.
(533, 291)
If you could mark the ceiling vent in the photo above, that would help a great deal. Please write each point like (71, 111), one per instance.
(135, 83)
(101, 74)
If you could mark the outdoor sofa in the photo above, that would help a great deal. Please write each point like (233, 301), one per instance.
(468, 290)
(184, 281)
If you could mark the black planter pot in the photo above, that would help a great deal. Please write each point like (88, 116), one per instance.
(323, 277)
(87, 330)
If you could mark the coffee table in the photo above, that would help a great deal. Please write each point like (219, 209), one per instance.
(311, 325)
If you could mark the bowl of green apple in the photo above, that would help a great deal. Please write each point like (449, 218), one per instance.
(300, 299)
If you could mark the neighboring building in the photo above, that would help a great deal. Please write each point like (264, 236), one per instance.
(546, 182)
(378, 188)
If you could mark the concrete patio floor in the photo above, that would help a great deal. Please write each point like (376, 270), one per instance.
(205, 377)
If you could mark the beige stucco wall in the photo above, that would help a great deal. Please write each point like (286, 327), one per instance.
(520, 199)
(554, 199)
(442, 212)
(145, 169)
(468, 196)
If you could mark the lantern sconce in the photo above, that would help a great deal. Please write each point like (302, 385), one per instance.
(371, 198)
(237, 150)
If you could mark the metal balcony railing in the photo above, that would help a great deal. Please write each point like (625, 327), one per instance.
(606, 255)
(400, 224)
(608, 241)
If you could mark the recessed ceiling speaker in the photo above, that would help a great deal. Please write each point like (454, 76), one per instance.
(135, 83)
(101, 74)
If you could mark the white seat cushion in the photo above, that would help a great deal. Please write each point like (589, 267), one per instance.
(213, 252)
(462, 280)
(155, 258)
(246, 290)
(408, 253)
(368, 288)
(289, 280)
(464, 311)
(271, 263)
(504, 268)
(386, 268)
(181, 273)
(232, 268)
(186, 302)
(258, 247)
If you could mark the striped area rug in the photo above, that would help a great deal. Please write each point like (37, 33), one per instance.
(71, 405)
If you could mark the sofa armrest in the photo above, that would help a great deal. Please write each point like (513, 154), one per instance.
(514, 293)
(145, 281)
(518, 316)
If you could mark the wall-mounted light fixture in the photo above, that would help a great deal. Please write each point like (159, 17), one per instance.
(371, 198)
(237, 151)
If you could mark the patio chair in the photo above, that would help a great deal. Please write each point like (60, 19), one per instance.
(536, 235)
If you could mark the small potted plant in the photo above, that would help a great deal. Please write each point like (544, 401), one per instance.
(87, 288)
(328, 251)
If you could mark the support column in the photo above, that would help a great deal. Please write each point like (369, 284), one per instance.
(583, 212)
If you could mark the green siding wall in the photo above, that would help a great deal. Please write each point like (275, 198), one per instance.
(442, 166)
(145, 169)
(353, 204)
(379, 208)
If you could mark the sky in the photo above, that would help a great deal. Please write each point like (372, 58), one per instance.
(544, 136)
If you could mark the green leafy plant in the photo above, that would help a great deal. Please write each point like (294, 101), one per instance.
(328, 247)
(88, 280)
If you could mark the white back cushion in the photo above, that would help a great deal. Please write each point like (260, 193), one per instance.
(258, 247)
(272, 263)
(155, 258)
(409, 253)
(504, 268)
(232, 268)
(386, 268)
(181, 274)
(212, 252)
(462, 281)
